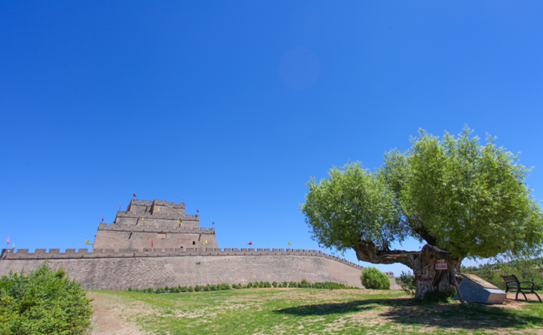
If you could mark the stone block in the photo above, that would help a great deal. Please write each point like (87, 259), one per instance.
(475, 289)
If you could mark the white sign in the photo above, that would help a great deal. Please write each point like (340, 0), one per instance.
(441, 265)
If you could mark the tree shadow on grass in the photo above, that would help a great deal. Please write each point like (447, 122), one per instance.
(473, 317)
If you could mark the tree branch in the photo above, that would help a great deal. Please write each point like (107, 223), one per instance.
(367, 251)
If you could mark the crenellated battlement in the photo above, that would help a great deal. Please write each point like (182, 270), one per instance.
(23, 254)
(149, 215)
(162, 202)
(150, 228)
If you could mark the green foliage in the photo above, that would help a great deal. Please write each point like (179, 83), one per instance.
(525, 270)
(353, 204)
(267, 284)
(190, 289)
(372, 278)
(304, 284)
(274, 284)
(455, 193)
(292, 284)
(473, 198)
(224, 286)
(44, 302)
(407, 282)
(249, 285)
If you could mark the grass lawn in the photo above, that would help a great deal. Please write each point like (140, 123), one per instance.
(304, 311)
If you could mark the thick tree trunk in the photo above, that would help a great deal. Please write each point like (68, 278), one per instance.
(429, 279)
(422, 263)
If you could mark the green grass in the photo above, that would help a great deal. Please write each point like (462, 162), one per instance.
(310, 311)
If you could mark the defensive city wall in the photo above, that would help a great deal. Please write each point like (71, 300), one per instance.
(155, 244)
(110, 270)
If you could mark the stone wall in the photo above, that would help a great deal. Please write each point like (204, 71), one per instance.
(121, 236)
(110, 270)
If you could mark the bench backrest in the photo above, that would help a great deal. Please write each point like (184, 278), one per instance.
(511, 281)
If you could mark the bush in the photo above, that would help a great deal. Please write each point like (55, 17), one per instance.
(190, 289)
(224, 286)
(292, 284)
(407, 282)
(160, 290)
(44, 302)
(304, 284)
(285, 284)
(267, 284)
(249, 285)
(372, 278)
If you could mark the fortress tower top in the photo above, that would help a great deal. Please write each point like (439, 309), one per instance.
(157, 212)
(154, 224)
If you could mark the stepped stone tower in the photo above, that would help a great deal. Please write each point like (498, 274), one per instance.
(156, 221)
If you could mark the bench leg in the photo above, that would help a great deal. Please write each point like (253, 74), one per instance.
(524, 296)
(516, 297)
(537, 297)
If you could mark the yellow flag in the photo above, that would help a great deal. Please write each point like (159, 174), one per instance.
(204, 243)
(342, 253)
(179, 221)
(288, 242)
(159, 209)
(13, 246)
(143, 220)
(87, 242)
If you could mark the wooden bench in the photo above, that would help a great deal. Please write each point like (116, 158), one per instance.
(512, 283)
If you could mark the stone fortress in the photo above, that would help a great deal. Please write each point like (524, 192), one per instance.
(155, 244)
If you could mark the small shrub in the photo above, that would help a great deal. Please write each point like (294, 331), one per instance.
(285, 284)
(44, 302)
(274, 284)
(207, 288)
(129, 288)
(407, 282)
(197, 288)
(214, 287)
(190, 289)
(293, 284)
(267, 284)
(225, 286)
(304, 284)
(372, 278)
(259, 285)
(249, 285)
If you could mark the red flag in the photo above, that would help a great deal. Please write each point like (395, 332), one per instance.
(251, 243)
(119, 206)
(8, 240)
(213, 222)
(151, 243)
(102, 219)
(197, 211)
(134, 195)
(319, 245)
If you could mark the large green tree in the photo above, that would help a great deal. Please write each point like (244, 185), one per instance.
(460, 198)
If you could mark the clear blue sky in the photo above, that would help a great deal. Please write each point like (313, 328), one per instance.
(234, 105)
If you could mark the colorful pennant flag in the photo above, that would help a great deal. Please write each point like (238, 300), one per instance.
(13, 246)
(204, 242)
(102, 219)
(319, 245)
(197, 211)
(87, 242)
(250, 243)
(134, 195)
(179, 221)
(288, 242)
(158, 209)
(143, 220)
(8, 240)
(342, 253)
(213, 222)
(151, 243)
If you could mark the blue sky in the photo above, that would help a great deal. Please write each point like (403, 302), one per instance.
(235, 105)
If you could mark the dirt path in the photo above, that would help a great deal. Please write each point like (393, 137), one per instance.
(110, 316)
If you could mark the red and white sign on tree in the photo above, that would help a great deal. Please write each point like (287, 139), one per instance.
(441, 265)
